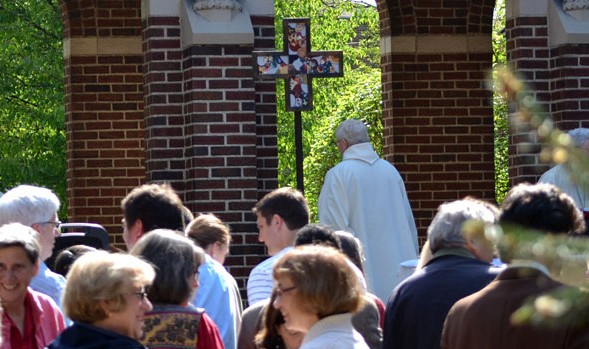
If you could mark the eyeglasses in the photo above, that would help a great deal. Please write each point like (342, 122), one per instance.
(55, 223)
(141, 295)
(281, 291)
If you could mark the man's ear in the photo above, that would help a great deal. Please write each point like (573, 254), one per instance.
(137, 228)
(277, 221)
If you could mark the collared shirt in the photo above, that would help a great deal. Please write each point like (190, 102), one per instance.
(49, 283)
(260, 281)
(219, 296)
(526, 263)
(452, 252)
(26, 339)
(47, 323)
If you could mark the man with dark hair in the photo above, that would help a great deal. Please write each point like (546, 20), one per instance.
(317, 234)
(279, 215)
(484, 319)
(149, 207)
(157, 206)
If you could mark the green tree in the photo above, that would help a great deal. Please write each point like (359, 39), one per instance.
(32, 136)
(500, 111)
(335, 25)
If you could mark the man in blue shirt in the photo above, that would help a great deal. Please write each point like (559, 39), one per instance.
(36, 207)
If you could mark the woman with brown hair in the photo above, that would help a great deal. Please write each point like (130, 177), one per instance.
(317, 292)
(274, 334)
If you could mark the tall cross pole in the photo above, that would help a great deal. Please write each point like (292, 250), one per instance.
(298, 65)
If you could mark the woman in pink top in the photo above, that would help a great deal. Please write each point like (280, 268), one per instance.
(30, 319)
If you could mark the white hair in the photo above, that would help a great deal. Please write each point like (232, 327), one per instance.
(27, 205)
(445, 230)
(580, 136)
(352, 131)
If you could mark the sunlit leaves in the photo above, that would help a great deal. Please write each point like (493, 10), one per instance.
(335, 25)
(32, 136)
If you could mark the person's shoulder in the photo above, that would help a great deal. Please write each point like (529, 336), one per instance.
(211, 267)
(43, 301)
(51, 277)
(254, 311)
(552, 174)
(263, 267)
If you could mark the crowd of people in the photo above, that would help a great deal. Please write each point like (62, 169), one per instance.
(335, 284)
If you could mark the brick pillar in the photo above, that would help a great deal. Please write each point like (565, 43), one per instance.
(437, 111)
(164, 99)
(104, 108)
(553, 61)
(210, 128)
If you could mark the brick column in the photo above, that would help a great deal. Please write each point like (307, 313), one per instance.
(104, 109)
(437, 111)
(210, 128)
(549, 49)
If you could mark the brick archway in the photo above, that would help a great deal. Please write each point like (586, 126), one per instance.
(143, 105)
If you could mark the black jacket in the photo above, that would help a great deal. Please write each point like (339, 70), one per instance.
(85, 336)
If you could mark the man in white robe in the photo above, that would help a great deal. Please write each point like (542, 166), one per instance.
(559, 175)
(366, 196)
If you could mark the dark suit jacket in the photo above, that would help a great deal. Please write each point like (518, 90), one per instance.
(416, 310)
(482, 320)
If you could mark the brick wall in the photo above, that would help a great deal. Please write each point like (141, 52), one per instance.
(104, 108)
(164, 102)
(569, 85)
(527, 51)
(437, 112)
(141, 107)
(211, 129)
(556, 75)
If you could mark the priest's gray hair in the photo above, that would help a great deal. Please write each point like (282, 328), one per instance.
(352, 131)
(445, 230)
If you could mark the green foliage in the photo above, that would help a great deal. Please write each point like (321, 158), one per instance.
(334, 25)
(32, 115)
(500, 111)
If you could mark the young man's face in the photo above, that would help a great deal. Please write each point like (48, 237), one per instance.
(132, 233)
(268, 233)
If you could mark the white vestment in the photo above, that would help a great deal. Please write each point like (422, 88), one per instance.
(366, 196)
(559, 176)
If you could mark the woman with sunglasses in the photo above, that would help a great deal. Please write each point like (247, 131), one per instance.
(105, 296)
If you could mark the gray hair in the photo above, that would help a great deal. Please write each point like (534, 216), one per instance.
(445, 230)
(27, 204)
(18, 235)
(352, 131)
(580, 136)
(176, 259)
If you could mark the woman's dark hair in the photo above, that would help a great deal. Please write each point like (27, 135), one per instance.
(268, 337)
(67, 257)
(176, 260)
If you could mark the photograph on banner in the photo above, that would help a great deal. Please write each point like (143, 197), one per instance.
(320, 63)
(273, 64)
(297, 37)
(298, 92)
